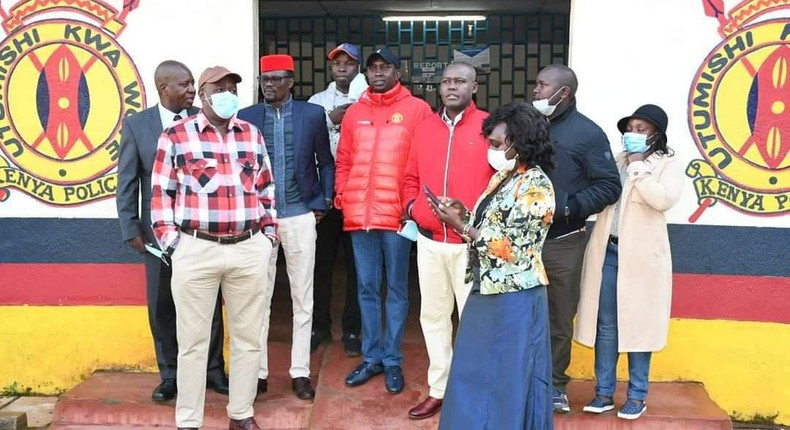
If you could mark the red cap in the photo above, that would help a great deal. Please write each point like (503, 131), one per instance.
(277, 62)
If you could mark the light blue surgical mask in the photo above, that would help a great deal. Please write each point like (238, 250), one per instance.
(224, 104)
(635, 143)
(409, 230)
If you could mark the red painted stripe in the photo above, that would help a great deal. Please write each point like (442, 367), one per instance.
(727, 297)
(724, 297)
(72, 284)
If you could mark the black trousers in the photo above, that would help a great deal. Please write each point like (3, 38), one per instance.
(162, 320)
(330, 236)
(563, 259)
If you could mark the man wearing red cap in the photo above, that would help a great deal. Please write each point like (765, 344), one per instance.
(304, 173)
(375, 138)
(212, 212)
(346, 88)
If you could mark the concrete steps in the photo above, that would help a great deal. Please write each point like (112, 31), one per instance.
(122, 401)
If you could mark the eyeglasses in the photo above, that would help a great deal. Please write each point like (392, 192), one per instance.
(275, 80)
(380, 68)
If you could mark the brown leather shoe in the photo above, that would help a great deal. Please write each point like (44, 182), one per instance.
(303, 388)
(245, 424)
(427, 408)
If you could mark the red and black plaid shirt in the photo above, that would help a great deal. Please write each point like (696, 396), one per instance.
(203, 183)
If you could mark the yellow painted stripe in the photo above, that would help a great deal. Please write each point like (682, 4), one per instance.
(745, 366)
(50, 349)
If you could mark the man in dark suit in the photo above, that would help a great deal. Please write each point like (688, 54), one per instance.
(297, 142)
(139, 135)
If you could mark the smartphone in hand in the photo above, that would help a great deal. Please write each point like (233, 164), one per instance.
(431, 196)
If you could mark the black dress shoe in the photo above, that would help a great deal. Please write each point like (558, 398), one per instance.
(393, 379)
(317, 338)
(352, 345)
(165, 391)
(263, 386)
(303, 388)
(363, 373)
(219, 384)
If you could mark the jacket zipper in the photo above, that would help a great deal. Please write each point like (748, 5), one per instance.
(446, 171)
(370, 172)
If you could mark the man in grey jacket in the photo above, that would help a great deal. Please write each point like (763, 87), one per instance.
(139, 135)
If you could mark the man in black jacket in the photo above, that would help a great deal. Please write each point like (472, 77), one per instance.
(586, 180)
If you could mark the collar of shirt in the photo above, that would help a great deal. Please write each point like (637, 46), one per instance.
(451, 122)
(166, 116)
(283, 107)
(203, 122)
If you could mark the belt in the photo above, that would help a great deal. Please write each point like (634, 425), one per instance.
(613, 240)
(228, 239)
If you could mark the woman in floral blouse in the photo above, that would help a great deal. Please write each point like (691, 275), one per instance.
(501, 370)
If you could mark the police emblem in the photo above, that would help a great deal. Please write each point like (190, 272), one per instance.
(65, 86)
(739, 112)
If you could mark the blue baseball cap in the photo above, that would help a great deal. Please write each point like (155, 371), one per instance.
(386, 55)
(351, 50)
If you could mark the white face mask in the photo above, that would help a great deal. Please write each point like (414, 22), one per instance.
(499, 161)
(543, 105)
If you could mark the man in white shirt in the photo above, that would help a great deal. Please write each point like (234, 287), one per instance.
(347, 87)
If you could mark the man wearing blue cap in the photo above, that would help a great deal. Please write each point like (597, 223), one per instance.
(346, 88)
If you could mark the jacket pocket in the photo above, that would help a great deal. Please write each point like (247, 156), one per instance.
(202, 174)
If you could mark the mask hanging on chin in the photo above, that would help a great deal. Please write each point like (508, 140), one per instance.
(543, 105)
(498, 161)
(224, 104)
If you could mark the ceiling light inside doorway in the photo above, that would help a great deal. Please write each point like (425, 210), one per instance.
(434, 18)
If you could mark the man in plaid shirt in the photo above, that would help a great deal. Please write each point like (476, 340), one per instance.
(213, 214)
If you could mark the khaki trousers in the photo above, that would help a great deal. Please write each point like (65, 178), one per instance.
(199, 267)
(297, 238)
(441, 269)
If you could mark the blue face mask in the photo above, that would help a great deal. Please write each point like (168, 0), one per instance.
(224, 104)
(635, 143)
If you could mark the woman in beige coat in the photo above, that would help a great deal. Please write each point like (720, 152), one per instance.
(626, 286)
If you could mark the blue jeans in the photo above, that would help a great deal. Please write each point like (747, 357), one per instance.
(372, 249)
(606, 353)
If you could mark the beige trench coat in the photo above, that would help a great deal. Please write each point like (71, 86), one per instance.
(644, 277)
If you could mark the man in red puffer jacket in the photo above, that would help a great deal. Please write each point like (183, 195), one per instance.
(449, 155)
(375, 139)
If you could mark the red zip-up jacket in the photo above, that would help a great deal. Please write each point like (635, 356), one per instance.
(453, 162)
(375, 139)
